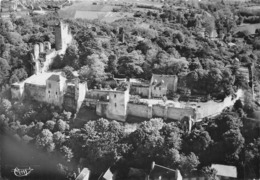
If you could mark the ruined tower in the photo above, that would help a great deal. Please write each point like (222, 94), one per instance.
(61, 36)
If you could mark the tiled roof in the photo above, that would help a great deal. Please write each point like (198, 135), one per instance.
(54, 77)
(224, 170)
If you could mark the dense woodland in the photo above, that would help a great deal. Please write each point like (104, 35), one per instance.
(168, 41)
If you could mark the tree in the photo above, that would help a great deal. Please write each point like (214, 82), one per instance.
(188, 163)
(101, 144)
(198, 141)
(67, 153)
(256, 44)
(144, 46)
(44, 139)
(95, 67)
(61, 126)
(21, 74)
(58, 138)
(252, 159)
(192, 80)
(14, 38)
(172, 135)
(209, 172)
(112, 64)
(233, 143)
(131, 64)
(68, 71)
(8, 25)
(38, 128)
(22, 130)
(50, 125)
(71, 57)
(228, 140)
(249, 106)
(146, 143)
(5, 106)
(88, 45)
(223, 123)
(4, 70)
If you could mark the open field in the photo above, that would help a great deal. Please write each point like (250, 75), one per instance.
(248, 27)
(86, 10)
(250, 11)
(102, 11)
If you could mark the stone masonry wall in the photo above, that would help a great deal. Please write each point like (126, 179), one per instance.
(35, 92)
(138, 110)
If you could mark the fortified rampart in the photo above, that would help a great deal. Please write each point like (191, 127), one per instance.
(115, 105)
(160, 111)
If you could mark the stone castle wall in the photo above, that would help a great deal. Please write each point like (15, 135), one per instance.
(159, 111)
(35, 92)
(138, 110)
(179, 113)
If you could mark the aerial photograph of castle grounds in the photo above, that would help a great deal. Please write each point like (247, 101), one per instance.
(129, 89)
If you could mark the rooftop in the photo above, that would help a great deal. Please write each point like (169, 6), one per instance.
(224, 170)
(40, 79)
(84, 174)
(54, 77)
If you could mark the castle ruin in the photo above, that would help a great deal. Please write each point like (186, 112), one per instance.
(42, 55)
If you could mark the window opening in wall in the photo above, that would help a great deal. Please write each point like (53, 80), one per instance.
(159, 88)
(115, 104)
(49, 92)
(114, 95)
(154, 88)
(49, 85)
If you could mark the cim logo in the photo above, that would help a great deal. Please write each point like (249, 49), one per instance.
(22, 172)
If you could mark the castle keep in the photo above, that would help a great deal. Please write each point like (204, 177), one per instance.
(71, 94)
(51, 87)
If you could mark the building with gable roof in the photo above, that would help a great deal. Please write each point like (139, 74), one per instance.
(159, 172)
(160, 85)
(225, 171)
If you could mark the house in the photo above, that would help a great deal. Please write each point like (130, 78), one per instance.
(224, 171)
(159, 172)
(84, 174)
(109, 175)
(160, 85)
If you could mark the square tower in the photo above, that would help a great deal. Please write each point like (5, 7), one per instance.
(55, 87)
(61, 36)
